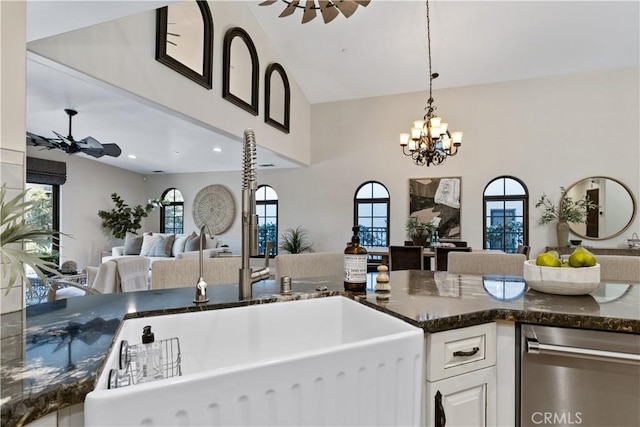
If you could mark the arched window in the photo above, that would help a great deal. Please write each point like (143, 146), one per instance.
(371, 207)
(267, 210)
(505, 211)
(172, 215)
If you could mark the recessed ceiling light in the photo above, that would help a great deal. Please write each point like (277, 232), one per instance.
(217, 150)
(131, 156)
(176, 152)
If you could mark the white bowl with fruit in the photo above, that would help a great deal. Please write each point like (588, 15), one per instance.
(578, 275)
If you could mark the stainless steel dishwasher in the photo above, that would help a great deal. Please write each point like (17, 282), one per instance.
(579, 377)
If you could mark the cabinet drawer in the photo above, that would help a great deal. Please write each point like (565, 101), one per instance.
(458, 351)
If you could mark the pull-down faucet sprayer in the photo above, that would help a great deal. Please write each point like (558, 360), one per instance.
(250, 220)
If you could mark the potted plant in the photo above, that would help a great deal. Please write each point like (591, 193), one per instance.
(122, 218)
(418, 231)
(294, 241)
(569, 210)
(16, 234)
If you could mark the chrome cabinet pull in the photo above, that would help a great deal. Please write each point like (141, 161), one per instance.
(467, 353)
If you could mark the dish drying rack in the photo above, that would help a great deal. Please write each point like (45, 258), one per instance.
(634, 241)
(130, 370)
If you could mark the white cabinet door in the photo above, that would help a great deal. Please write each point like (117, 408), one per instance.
(464, 400)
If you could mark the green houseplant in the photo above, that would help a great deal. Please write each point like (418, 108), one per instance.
(16, 235)
(295, 241)
(123, 218)
(418, 231)
(569, 210)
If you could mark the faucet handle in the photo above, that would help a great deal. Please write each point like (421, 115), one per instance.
(266, 253)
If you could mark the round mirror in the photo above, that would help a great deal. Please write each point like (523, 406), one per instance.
(616, 207)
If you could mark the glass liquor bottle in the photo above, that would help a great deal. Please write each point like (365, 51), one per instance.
(355, 264)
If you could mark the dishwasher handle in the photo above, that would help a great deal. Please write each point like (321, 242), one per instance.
(535, 347)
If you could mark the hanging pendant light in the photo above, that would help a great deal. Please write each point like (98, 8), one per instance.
(430, 141)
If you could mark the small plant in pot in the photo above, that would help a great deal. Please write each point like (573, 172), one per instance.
(568, 211)
(418, 231)
(295, 241)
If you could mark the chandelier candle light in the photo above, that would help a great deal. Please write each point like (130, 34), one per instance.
(430, 142)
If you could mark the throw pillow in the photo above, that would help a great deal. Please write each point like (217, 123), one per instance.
(193, 243)
(132, 244)
(179, 244)
(157, 245)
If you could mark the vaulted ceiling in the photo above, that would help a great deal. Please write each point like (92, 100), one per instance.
(379, 50)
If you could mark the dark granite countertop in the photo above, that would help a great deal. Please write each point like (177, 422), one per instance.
(52, 352)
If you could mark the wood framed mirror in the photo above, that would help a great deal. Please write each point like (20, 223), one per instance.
(184, 40)
(277, 98)
(616, 212)
(240, 69)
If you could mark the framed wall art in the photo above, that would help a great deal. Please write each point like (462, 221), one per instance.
(184, 40)
(437, 201)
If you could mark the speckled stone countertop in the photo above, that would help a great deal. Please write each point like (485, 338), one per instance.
(52, 352)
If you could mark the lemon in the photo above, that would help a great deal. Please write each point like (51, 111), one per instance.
(547, 259)
(582, 258)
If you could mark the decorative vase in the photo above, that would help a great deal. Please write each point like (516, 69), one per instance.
(562, 232)
(420, 239)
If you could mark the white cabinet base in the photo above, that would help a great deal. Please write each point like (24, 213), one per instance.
(467, 399)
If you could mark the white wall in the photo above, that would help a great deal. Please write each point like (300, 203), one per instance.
(122, 53)
(548, 132)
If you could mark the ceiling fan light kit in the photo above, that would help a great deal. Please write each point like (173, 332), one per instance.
(329, 9)
(69, 145)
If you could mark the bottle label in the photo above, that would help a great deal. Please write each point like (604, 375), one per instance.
(355, 268)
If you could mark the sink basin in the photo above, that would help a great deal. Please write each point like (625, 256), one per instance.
(324, 361)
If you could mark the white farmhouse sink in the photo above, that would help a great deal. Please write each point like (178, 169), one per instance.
(326, 361)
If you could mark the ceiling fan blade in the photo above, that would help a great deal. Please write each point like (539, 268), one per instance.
(41, 141)
(64, 139)
(347, 7)
(112, 150)
(364, 3)
(267, 2)
(329, 12)
(89, 142)
(291, 7)
(93, 152)
(309, 11)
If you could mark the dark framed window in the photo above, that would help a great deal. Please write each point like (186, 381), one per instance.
(172, 214)
(44, 178)
(267, 211)
(506, 214)
(371, 209)
(44, 215)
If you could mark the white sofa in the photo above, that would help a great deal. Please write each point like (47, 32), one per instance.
(174, 249)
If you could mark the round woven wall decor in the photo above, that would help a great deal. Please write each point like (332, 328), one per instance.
(214, 206)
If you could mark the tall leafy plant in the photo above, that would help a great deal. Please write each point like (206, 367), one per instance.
(16, 235)
(123, 218)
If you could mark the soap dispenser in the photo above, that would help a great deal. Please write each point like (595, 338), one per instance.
(150, 359)
(355, 264)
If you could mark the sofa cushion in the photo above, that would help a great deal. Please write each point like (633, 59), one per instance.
(179, 243)
(132, 244)
(193, 243)
(155, 245)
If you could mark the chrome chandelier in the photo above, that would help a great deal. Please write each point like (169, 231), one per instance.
(430, 142)
(328, 9)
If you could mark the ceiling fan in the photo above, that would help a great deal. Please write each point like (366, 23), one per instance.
(69, 145)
